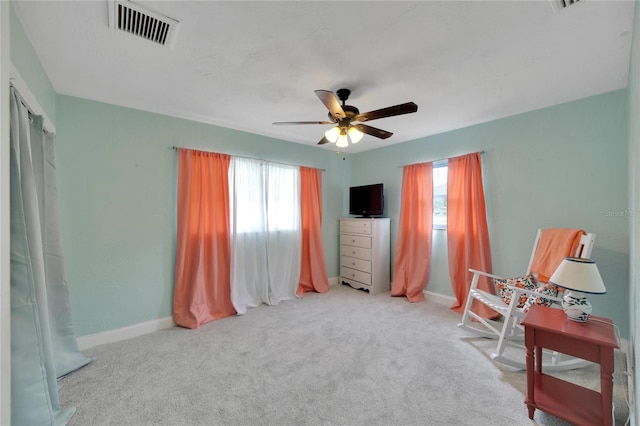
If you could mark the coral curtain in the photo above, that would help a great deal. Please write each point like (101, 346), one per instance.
(313, 273)
(202, 270)
(413, 245)
(43, 339)
(467, 231)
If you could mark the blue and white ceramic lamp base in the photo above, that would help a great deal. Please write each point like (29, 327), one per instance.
(576, 306)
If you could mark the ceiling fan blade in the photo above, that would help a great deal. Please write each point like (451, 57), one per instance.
(283, 123)
(378, 133)
(405, 108)
(323, 141)
(332, 103)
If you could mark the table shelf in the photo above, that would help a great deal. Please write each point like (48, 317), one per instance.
(571, 403)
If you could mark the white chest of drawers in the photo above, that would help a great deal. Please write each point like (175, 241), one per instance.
(365, 254)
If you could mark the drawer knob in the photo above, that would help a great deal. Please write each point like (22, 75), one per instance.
(353, 252)
(353, 263)
(353, 241)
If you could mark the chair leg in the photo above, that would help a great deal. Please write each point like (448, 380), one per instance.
(467, 306)
(502, 341)
(510, 325)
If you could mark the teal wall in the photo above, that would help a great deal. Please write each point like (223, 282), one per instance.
(563, 166)
(634, 205)
(117, 180)
(24, 58)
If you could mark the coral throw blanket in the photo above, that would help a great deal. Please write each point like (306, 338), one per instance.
(555, 244)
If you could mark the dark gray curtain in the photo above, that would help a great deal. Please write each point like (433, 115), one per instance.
(43, 341)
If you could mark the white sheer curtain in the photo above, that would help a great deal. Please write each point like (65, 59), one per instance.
(265, 232)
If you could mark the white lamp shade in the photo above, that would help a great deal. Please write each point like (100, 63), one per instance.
(332, 134)
(342, 141)
(578, 275)
(355, 135)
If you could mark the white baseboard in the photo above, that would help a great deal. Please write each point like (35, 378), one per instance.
(135, 330)
(112, 336)
(442, 299)
(429, 295)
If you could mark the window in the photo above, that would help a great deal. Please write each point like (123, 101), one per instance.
(283, 198)
(440, 170)
(264, 196)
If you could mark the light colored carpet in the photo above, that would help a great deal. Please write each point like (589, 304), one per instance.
(342, 358)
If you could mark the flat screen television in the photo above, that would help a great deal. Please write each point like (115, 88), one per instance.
(366, 200)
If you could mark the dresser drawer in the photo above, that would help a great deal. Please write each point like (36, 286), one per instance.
(356, 241)
(352, 274)
(357, 252)
(356, 227)
(358, 264)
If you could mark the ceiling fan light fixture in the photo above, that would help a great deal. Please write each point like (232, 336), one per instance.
(332, 134)
(355, 135)
(343, 140)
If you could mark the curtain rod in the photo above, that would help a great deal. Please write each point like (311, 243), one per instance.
(175, 148)
(30, 110)
(28, 98)
(442, 159)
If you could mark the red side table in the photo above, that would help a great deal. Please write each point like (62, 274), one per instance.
(594, 341)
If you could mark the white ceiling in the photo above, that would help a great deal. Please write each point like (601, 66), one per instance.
(244, 65)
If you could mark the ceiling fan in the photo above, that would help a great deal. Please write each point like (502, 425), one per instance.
(348, 119)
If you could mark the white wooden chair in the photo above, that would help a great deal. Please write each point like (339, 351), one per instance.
(508, 330)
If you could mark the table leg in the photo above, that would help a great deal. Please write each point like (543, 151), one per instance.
(606, 384)
(529, 339)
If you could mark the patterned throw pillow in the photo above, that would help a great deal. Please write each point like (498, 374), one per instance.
(527, 282)
(537, 299)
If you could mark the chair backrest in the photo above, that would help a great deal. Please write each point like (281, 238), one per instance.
(585, 246)
(583, 250)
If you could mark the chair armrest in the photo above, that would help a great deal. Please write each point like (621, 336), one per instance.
(484, 274)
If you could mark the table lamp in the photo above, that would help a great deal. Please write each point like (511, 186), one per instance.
(578, 276)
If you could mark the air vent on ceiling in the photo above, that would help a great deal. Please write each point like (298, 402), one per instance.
(129, 17)
(558, 5)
